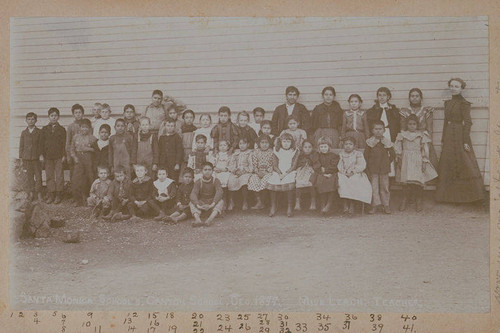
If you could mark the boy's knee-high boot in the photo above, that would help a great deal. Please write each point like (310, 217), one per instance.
(273, 204)
(404, 199)
(419, 190)
(289, 211)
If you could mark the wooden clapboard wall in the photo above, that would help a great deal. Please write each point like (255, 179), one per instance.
(244, 63)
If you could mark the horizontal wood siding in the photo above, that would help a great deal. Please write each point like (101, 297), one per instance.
(244, 63)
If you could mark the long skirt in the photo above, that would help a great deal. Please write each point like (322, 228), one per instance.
(303, 178)
(459, 177)
(356, 187)
(331, 133)
(325, 184)
(223, 177)
(235, 183)
(281, 185)
(257, 184)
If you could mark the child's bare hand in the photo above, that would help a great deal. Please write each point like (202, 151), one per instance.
(154, 167)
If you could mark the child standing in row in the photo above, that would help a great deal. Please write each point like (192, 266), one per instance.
(355, 123)
(308, 162)
(30, 149)
(262, 165)
(53, 143)
(171, 115)
(198, 156)
(155, 111)
(284, 171)
(258, 117)
(205, 130)
(131, 123)
(225, 129)
(412, 156)
(379, 154)
(145, 147)
(171, 151)
(298, 134)
(120, 148)
(82, 153)
(101, 148)
(72, 130)
(325, 176)
(96, 113)
(245, 131)
(105, 119)
(353, 182)
(187, 135)
(240, 167)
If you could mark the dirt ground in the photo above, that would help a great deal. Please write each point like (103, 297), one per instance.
(435, 261)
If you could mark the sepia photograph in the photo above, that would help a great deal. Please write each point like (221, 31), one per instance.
(250, 164)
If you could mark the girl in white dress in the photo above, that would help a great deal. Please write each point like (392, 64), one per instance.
(353, 182)
(221, 160)
(283, 177)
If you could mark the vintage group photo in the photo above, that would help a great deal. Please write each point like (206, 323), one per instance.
(237, 163)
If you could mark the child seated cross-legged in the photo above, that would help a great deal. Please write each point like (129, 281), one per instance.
(221, 160)
(379, 154)
(325, 176)
(141, 196)
(164, 193)
(240, 167)
(118, 196)
(262, 165)
(308, 162)
(98, 192)
(284, 172)
(206, 196)
(198, 156)
(182, 210)
(353, 182)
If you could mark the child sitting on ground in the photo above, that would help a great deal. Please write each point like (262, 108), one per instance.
(98, 192)
(182, 210)
(141, 196)
(206, 196)
(164, 193)
(118, 196)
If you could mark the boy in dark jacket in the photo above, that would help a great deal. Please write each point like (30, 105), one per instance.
(379, 153)
(171, 151)
(29, 153)
(118, 196)
(183, 198)
(53, 155)
(141, 195)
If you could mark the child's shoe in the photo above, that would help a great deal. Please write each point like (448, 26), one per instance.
(373, 209)
(297, 204)
(160, 216)
(230, 206)
(313, 204)
(387, 210)
(58, 198)
(244, 206)
(40, 197)
(50, 198)
(135, 219)
(351, 208)
(346, 207)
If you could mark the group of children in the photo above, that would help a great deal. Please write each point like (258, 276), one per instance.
(162, 166)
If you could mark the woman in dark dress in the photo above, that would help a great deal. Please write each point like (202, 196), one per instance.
(459, 177)
(327, 118)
